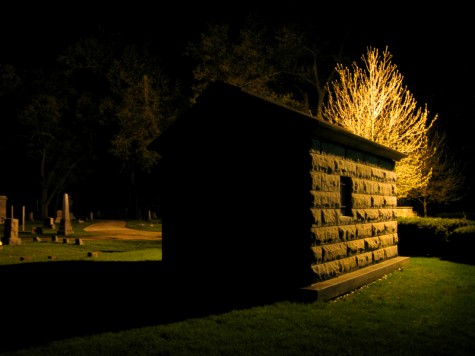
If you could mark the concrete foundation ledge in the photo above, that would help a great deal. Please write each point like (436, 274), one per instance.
(335, 287)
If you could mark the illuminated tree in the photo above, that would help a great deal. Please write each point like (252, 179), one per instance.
(373, 103)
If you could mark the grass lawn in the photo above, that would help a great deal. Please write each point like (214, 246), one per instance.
(427, 308)
(45, 250)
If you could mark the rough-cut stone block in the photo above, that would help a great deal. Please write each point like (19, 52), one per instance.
(325, 234)
(347, 232)
(364, 230)
(325, 199)
(391, 251)
(387, 240)
(390, 201)
(363, 172)
(323, 163)
(378, 174)
(317, 254)
(387, 214)
(364, 259)
(378, 228)
(331, 183)
(388, 189)
(317, 216)
(361, 201)
(360, 215)
(372, 214)
(377, 201)
(372, 243)
(371, 187)
(391, 226)
(330, 216)
(348, 264)
(334, 251)
(327, 270)
(355, 247)
(347, 168)
(359, 186)
(396, 238)
(379, 255)
(317, 179)
(391, 176)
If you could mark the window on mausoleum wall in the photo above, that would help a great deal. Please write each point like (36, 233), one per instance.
(345, 195)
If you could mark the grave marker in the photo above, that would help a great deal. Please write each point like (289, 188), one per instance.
(3, 208)
(65, 227)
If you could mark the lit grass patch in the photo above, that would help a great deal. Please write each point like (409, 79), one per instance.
(108, 250)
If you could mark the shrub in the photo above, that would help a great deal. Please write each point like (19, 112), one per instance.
(429, 236)
(461, 244)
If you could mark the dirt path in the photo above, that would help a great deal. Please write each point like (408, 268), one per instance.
(115, 229)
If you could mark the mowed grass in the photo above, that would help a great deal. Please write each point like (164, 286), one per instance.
(427, 308)
(46, 250)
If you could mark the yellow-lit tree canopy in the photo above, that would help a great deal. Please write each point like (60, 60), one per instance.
(373, 102)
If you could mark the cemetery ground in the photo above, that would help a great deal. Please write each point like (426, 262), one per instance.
(80, 305)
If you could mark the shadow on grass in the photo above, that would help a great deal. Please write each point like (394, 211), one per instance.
(43, 302)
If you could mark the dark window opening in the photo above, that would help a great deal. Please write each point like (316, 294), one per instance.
(345, 195)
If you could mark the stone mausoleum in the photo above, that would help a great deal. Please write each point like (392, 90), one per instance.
(259, 196)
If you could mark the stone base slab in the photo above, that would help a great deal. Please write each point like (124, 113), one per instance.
(335, 287)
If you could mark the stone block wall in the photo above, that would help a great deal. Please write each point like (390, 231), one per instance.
(344, 242)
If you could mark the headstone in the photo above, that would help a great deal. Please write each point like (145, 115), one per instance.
(49, 223)
(3, 208)
(65, 227)
(31, 216)
(10, 235)
(59, 216)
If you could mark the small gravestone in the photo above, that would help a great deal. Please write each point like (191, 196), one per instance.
(10, 232)
(37, 239)
(54, 238)
(59, 216)
(49, 223)
(79, 242)
(3, 208)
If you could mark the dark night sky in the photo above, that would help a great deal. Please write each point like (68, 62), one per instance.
(432, 46)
